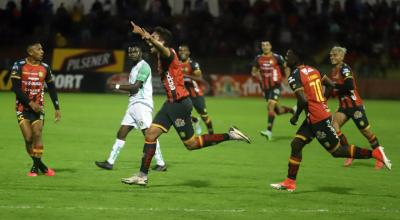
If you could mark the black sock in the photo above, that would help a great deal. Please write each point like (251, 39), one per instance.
(36, 164)
(149, 150)
(271, 118)
(293, 167)
(213, 139)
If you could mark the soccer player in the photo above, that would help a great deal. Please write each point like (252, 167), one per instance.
(350, 102)
(307, 82)
(270, 68)
(176, 110)
(140, 108)
(28, 78)
(192, 75)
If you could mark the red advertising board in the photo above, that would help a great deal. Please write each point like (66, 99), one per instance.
(240, 85)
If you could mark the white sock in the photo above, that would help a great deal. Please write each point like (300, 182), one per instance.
(158, 155)
(118, 145)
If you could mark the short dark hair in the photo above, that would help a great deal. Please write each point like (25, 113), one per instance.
(301, 56)
(164, 34)
(32, 42)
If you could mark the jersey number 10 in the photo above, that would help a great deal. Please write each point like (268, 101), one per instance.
(316, 85)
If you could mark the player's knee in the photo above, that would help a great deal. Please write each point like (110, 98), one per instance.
(121, 135)
(151, 136)
(191, 144)
(297, 145)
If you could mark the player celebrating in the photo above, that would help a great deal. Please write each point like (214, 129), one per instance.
(177, 108)
(28, 78)
(350, 102)
(192, 75)
(269, 67)
(140, 108)
(306, 82)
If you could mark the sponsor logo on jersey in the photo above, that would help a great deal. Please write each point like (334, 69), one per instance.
(358, 114)
(179, 122)
(170, 81)
(320, 135)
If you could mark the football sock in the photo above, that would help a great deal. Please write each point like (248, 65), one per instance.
(118, 145)
(352, 151)
(36, 164)
(158, 156)
(271, 118)
(208, 122)
(149, 150)
(42, 166)
(374, 142)
(212, 139)
(342, 138)
(283, 110)
(37, 151)
(293, 167)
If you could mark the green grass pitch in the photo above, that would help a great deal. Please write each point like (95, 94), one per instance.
(228, 181)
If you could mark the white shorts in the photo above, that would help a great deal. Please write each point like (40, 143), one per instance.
(139, 116)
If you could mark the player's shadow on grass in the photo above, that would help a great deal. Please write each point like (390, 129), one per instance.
(344, 191)
(196, 183)
(190, 183)
(281, 138)
(65, 170)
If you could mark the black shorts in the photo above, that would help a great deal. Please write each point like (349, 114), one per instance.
(199, 103)
(357, 114)
(272, 93)
(29, 115)
(323, 131)
(177, 114)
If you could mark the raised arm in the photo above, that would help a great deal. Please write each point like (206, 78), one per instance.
(164, 51)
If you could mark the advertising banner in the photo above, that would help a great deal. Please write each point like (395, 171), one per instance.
(240, 86)
(85, 70)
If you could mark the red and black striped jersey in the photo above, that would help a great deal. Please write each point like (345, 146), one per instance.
(188, 68)
(33, 77)
(309, 79)
(170, 69)
(351, 98)
(271, 69)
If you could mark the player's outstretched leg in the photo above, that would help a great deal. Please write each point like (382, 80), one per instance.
(355, 152)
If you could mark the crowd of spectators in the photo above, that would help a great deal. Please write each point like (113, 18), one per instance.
(370, 31)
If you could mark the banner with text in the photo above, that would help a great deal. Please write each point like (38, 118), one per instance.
(240, 85)
(85, 70)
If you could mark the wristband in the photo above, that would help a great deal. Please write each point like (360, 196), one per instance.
(117, 86)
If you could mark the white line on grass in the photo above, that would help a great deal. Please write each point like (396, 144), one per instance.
(265, 210)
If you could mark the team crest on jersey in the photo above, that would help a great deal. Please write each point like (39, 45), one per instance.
(358, 114)
(327, 145)
(362, 123)
(182, 134)
(140, 123)
(40, 73)
(320, 135)
(179, 122)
